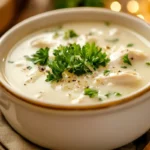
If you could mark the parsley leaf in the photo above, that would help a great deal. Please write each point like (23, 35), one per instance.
(29, 67)
(40, 57)
(117, 94)
(11, 62)
(70, 34)
(130, 45)
(148, 63)
(55, 76)
(112, 40)
(58, 66)
(90, 92)
(124, 67)
(77, 60)
(114, 93)
(126, 60)
(108, 94)
(106, 72)
(56, 35)
(107, 23)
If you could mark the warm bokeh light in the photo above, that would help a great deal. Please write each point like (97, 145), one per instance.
(115, 6)
(133, 6)
(141, 16)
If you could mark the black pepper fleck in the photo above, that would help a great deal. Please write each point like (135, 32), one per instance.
(41, 68)
(108, 47)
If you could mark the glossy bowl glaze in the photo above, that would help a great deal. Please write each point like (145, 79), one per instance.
(102, 126)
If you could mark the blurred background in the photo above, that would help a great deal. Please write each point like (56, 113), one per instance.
(14, 11)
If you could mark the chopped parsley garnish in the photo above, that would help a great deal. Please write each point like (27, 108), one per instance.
(90, 92)
(130, 45)
(40, 57)
(70, 34)
(71, 58)
(107, 23)
(113, 93)
(124, 67)
(117, 94)
(77, 60)
(56, 35)
(148, 63)
(100, 99)
(106, 72)
(112, 40)
(11, 62)
(29, 67)
(108, 94)
(126, 60)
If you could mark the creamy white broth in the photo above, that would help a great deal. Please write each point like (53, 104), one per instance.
(112, 38)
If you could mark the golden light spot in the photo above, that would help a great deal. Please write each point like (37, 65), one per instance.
(133, 6)
(141, 16)
(115, 6)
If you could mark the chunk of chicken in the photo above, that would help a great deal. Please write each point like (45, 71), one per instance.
(137, 55)
(122, 78)
(33, 76)
(113, 31)
(42, 43)
(132, 54)
(39, 95)
(79, 99)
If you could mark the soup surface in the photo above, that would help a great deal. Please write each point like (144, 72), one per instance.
(79, 63)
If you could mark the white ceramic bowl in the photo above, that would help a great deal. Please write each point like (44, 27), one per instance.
(101, 126)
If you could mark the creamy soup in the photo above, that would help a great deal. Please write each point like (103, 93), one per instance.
(79, 63)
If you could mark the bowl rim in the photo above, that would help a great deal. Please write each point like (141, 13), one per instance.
(108, 104)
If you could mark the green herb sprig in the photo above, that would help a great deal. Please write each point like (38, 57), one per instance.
(126, 59)
(71, 58)
(77, 60)
(106, 72)
(90, 92)
(147, 63)
(40, 57)
(70, 34)
(130, 45)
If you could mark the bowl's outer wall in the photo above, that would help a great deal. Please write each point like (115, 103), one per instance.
(76, 130)
(94, 129)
